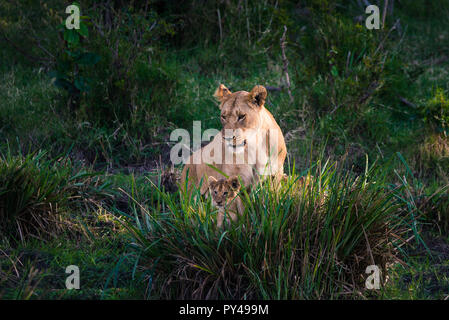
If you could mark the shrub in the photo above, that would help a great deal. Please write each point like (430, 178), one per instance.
(347, 64)
(436, 111)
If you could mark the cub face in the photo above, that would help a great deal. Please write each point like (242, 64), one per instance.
(223, 191)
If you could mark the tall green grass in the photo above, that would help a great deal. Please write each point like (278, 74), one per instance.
(37, 195)
(307, 238)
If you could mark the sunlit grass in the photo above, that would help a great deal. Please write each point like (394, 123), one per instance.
(310, 237)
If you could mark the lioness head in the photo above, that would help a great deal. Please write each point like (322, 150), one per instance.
(223, 191)
(240, 114)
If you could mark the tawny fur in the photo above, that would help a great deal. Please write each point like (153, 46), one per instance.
(224, 193)
(245, 113)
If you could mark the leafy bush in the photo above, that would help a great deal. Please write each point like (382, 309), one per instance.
(105, 61)
(72, 61)
(436, 111)
(347, 64)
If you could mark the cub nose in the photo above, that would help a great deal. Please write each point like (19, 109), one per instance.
(219, 202)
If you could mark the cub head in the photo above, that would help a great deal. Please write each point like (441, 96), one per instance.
(223, 191)
(240, 114)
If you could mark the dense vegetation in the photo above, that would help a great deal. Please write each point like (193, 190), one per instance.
(85, 121)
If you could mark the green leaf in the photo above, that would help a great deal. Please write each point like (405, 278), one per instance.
(405, 163)
(83, 30)
(334, 71)
(73, 54)
(63, 84)
(81, 84)
(71, 36)
(88, 58)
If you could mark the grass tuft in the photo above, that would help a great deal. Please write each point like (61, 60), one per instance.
(308, 237)
(37, 195)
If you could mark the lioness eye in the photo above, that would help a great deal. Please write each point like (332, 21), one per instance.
(242, 116)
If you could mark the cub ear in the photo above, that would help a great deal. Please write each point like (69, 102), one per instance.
(211, 180)
(222, 92)
(258, 95)
(235, 183)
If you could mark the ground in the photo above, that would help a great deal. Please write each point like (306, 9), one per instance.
(359, 96)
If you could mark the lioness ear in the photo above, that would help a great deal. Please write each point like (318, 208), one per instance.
(258, 95)
(222, 92)
(235, 183)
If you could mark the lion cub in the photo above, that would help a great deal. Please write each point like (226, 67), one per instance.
(225, 197)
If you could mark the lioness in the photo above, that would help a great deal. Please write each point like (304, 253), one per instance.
(224, 193)
(250, 141)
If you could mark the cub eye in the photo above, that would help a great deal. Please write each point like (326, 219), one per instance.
(215, 191)
(223, 117)
(225, 193)
(242, 116)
